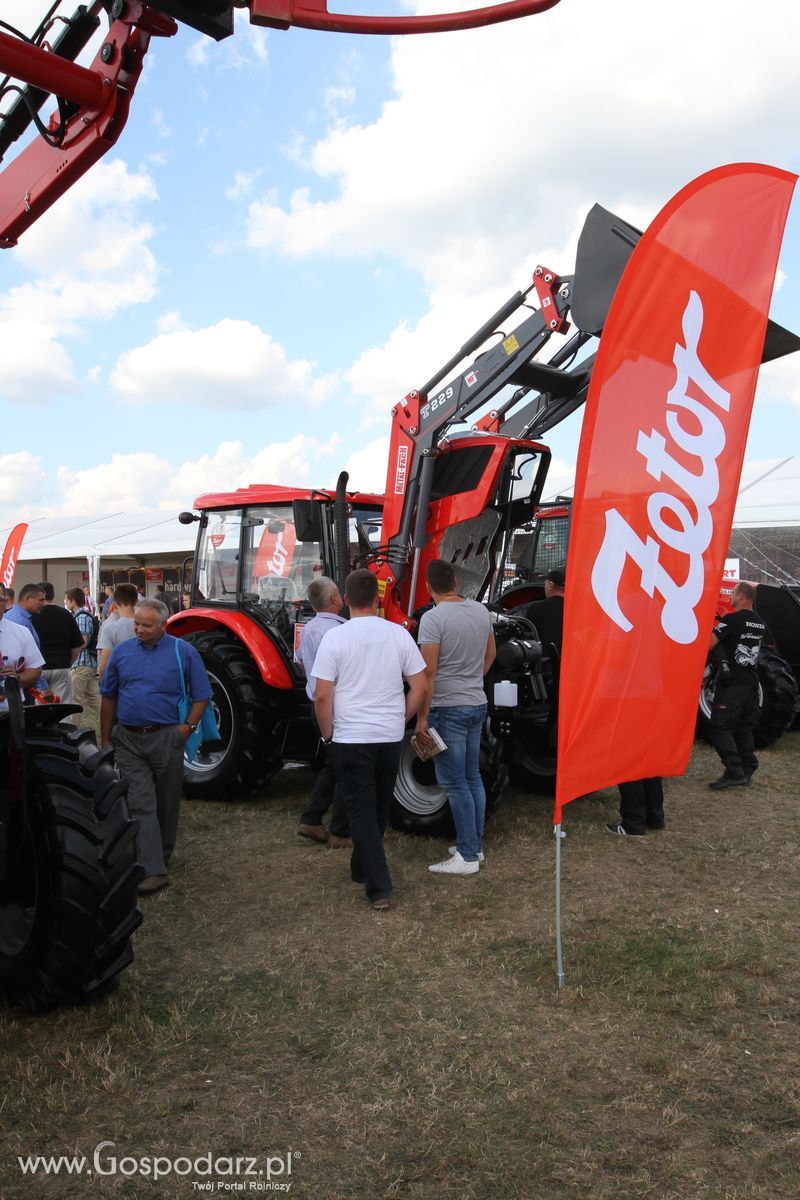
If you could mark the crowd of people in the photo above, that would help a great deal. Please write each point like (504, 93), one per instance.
(128, 676)
(366, 678)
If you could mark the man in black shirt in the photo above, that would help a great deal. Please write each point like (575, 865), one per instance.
(735, 644)
(548, 617)
(548, 614)
(61, 643)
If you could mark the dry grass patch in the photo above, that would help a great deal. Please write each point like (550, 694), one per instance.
(425, 1053)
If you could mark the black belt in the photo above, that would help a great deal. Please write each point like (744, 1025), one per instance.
(145, 728)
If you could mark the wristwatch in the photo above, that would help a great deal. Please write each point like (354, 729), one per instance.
(193, 728)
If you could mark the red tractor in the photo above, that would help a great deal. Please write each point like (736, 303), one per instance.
(457, 490)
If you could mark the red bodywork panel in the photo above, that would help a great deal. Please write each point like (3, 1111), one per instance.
(269, 493)
(443, 513)
(266, 657)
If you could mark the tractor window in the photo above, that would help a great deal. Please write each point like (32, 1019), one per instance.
(277, 567)
(218, 556)
(365, 535)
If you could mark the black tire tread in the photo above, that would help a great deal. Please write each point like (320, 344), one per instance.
(87, 847)
(257, 760)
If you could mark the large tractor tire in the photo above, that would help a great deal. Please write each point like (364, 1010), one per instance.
(248, 753)
(420, 805)
(535, 763)
(778, 696)
(68, 905)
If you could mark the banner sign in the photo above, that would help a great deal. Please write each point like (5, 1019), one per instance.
(659, 463)
(11, 554)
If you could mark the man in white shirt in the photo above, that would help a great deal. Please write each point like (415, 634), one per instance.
(362, 714)
(21, 657)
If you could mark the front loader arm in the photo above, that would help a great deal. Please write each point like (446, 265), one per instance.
(552, 390)
(93, 106)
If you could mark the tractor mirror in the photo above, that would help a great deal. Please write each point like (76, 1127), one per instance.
(307, 522)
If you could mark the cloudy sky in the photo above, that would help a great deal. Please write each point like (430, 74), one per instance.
(297, 228)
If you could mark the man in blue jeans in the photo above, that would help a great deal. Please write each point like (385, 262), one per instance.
(457, 643)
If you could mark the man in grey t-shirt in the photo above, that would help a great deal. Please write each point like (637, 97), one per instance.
(125, 599)
(457, 643)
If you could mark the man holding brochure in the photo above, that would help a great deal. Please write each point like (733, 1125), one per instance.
(457, 643)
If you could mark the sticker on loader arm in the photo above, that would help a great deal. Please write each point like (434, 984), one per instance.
(510, 344)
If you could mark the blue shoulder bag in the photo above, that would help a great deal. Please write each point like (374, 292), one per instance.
(207, 730)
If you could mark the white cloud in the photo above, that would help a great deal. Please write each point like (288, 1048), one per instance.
(472, 173)
(76, 275)
(170, 321)
(243, 184)
(233, 364)
(130, 481)
(21, 477)
(473, 167)
(367, 467)
(35, 365)
(779, 381)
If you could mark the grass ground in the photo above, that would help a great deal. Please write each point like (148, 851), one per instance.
(426, 1053)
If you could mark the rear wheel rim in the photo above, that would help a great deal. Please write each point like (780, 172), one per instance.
(210, 758)
(416, 789)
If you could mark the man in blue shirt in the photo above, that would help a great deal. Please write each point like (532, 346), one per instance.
(141, 690)
(327, 603)
(30, 603)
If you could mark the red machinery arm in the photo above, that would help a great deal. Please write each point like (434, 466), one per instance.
(93, 103)
(313, 14)
(93, 109)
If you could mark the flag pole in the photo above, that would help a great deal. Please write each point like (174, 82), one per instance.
(559, 955)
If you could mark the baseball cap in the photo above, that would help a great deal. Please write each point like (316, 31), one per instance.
(558, 576)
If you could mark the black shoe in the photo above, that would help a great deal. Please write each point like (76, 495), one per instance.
(314, 833)
(728, 781)
(618, 828)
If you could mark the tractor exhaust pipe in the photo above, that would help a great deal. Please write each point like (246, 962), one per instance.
(341, 531)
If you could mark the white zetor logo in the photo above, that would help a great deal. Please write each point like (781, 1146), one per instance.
(12, 565)
(693, 535)
(277, 564)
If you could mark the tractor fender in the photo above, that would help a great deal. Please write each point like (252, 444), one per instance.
(261, 647)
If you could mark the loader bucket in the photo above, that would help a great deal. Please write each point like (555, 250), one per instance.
(604, 247)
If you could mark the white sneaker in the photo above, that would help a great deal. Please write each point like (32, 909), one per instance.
(455, 865)
(454, 850)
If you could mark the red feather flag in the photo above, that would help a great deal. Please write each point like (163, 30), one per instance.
(658, 471)
(11, 554)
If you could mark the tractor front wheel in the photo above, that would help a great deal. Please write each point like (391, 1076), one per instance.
(248, 754)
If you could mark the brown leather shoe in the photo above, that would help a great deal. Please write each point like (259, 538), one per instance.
(153, 884)
(382, 904)
(314, 833)
(339, 843)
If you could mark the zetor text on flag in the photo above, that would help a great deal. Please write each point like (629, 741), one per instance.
(658, 471)
(8, 565)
